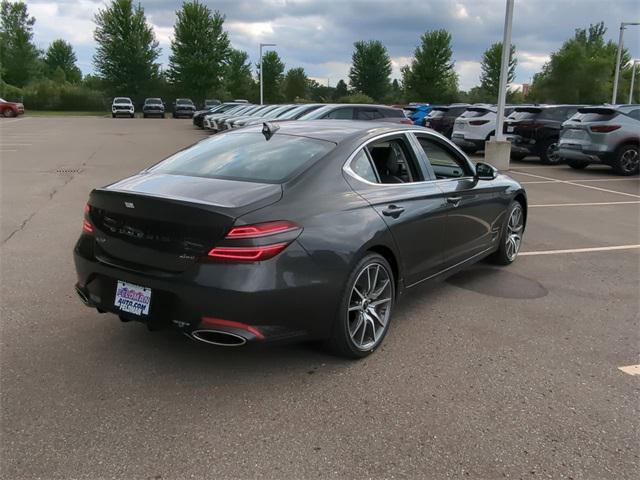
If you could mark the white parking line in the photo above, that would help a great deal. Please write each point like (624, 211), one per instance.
(580, 250)
(579, 185)
(630, 369)
(634, 179)
(586, 204)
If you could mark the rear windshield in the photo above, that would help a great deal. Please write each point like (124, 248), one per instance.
(594, 116)
(436, 113)
(524, 114)
(247, 156)
(475, 112)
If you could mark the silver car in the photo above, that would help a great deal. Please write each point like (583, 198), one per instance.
(608, 134)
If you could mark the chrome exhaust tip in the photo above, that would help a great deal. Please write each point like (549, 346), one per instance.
(219, 338)
(83, 297)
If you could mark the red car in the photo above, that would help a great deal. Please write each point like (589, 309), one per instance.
(10, 109)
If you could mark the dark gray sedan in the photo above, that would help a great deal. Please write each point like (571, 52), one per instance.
(302, 230)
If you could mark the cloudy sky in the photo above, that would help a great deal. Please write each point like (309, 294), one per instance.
(319, 34)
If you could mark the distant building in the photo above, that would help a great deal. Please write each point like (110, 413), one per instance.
(525, 89)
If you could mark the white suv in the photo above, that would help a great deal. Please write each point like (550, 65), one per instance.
(475, 126)
(122, 106)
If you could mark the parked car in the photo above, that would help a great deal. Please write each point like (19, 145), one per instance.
(198, 117)
(226, 121)
(264, 116)
(122, 106)
(10, 109)
(608, 134)
(293, 114)
(475, 126)
(535, 130)
(153, 107)
(211, 102)
(347, 111)
(183, 107)
(211, 121)
(442, 118)
(300, 230)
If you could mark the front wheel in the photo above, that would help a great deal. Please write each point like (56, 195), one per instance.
(365, 310)
(8, 113)
(511, 237)
(627, 160)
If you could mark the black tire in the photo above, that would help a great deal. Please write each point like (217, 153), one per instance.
(132, 115)
(547, 155)
(144, 115)
(113, 115)
(341, 341)
(627, 160)
(518, 156)
(578, 164)
(8, 113)
(503, 256)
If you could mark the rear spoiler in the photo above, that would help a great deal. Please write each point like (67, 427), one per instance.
(600, 110)
(528, 109)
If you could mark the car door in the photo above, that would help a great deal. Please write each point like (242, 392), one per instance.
(475, 208)
(409, 202)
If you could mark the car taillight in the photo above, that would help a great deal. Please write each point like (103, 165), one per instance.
(478, 122)
(604, 128)
(256, 242)
(87, 227)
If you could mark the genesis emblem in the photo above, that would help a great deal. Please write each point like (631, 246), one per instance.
(129, 205)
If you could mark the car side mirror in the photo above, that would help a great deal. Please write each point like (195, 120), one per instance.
(484, 171)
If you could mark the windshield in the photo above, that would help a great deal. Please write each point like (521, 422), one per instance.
(3, 100)
(122, 100)
(153, 101)
(184, 101)
(247, 156)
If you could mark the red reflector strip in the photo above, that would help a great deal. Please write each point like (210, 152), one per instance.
(604, 128)
(219, 322)
(248, 254)
(87, 227)
(261, 229)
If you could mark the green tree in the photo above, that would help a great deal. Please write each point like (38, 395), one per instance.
(581, 71)
(272, 77)
(370, 69)
(341, 89)
(490, 75)
(295, 84)
(431, 76)
(60, 56)
(199, 50)
(127, 48)
(19, 58)
(238, 81)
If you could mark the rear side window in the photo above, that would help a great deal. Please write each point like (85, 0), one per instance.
(247, 156)
(394, 162)
(361, 166)
(341, 114)
(455, 112)
(392, 113)
(368, 114)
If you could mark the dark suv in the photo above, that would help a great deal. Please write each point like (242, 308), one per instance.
(153, 107)
(535, 130)
(442, 119)
(183, 107)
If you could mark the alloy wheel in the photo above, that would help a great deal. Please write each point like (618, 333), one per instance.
(629, 160)
(552, 154)
(369, 306)
(514, 232)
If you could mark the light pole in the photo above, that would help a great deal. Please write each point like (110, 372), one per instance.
(261, 87)
(633, 77)
(616, 75)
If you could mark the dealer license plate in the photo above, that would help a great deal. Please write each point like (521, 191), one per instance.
(132, 298)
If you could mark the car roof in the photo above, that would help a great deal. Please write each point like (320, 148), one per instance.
(331, 130)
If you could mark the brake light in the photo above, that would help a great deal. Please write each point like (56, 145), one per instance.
(478, 122)
(261, 229)
(248, 254)
(87, 227)
(250, 243)
(604, 128)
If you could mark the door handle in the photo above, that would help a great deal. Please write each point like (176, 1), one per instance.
(455, 201)
(393, 211)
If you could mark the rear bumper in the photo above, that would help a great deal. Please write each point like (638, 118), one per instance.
(586, 155)
(460, 140)
(284, 298)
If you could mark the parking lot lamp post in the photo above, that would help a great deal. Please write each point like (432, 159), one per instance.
(261, 87)
(633, 77)
(616, 75)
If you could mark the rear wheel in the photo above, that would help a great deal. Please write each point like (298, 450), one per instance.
(549, 152)
(578, 164)
(627, 160)
(365, 310)
(511, 237)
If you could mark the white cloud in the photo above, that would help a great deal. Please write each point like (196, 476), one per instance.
(468, 73)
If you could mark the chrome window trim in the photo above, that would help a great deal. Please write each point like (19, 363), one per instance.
(346, 167)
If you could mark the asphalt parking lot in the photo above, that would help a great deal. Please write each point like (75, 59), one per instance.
(495, 373)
